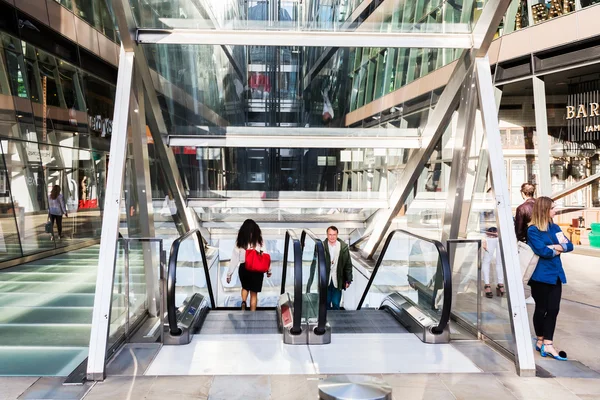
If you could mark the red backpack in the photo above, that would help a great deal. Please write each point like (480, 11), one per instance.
(257, 261)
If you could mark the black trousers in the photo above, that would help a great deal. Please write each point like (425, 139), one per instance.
(58, 219)
(547, 305)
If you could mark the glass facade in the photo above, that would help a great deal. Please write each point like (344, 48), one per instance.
(524, 13)
(573, 140)
(55, 128)
(97, 13)
(429, 16)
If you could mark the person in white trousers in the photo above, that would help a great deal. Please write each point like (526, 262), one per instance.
(491, 250)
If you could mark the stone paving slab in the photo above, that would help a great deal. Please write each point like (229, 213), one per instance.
(13, 387)
(489, 386)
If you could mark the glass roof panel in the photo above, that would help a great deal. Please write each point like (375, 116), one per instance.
(433, 16)
(203, 87)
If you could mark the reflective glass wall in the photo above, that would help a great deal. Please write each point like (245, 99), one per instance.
(524, 13)
(55, 128)
(97, 13)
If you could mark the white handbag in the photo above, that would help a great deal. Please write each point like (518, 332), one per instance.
(528, 260)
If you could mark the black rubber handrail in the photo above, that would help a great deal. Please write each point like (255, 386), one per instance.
(296, 329)
(446, 276)
(172, 278)
(322, 281)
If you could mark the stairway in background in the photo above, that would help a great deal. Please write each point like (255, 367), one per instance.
(46, 311)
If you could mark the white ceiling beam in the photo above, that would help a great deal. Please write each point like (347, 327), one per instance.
(305, 38)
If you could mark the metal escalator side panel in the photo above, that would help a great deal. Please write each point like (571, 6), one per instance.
(286, 322)
(442, 285)
(189, 320)
(411, 316)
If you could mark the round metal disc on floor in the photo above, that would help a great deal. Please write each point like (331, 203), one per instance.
(354, 387)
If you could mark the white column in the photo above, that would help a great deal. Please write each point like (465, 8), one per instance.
(542, 150)
(110, 221)
(508, 241)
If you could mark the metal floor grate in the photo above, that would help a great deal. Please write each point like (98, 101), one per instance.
(240, 322)
(363, 321)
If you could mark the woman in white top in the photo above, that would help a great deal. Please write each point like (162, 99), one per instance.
(249, 237)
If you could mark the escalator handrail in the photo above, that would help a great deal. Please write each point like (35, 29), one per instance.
(446, 275)
(296, 329)
(322, 281)
(172, 278)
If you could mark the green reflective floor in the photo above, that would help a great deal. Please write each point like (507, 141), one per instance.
(46, 312)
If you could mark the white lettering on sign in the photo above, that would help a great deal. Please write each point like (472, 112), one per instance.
(100, 125)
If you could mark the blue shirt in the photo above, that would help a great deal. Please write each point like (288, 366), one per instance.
(549, 267)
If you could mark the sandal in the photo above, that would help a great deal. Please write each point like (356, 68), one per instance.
(488, 291)
(562, 356)
(243, 305)
(500, 290)
(538, 348)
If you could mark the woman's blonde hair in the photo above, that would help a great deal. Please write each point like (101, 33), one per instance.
(540, 216)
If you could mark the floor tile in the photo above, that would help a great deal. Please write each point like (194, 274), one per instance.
(389, 353)
(413, 393)
(122, 387)
(233, 355)
(12, 387)
(52, 388)
(476, 386)
(132, 360)
(536, 388)
(484, 356)
(581, 386)
(180, 387)
(295, 387)
(431, 381)
(240, 387)
(567, 369)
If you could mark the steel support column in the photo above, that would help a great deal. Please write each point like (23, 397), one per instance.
(110, 221)
(460, 159)
(141, 161)
(483, 34)
(542, 150)
(436, 125)
(128, 29)
(508, 242)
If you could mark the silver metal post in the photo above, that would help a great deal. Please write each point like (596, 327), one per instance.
(507, 238)
(127, 302)
(163, 290)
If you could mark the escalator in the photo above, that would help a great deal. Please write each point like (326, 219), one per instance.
(409, 290)
(196, 312)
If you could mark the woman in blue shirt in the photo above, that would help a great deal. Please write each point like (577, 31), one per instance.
(548, 242)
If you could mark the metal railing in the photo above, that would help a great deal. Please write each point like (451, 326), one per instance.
(172, 278)
(322, 280)
(444, 268)
(296, 329)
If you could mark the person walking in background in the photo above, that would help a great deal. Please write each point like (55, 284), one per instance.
(523, 215)
(249, 237)
(56, 209)
(491, 250)
(547, 241)
(339, 268)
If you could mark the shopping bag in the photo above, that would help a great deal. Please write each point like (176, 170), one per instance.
(257, 261)
(528, 260)
(48, 227)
